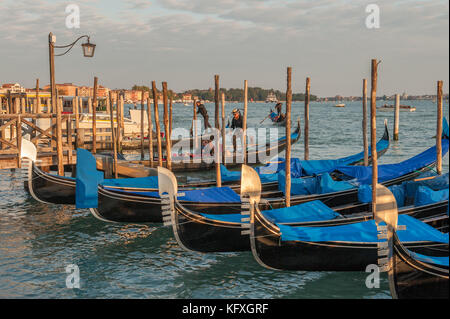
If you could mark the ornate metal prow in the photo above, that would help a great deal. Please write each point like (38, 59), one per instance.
(250, 196)
(387, 212)
(167, 187)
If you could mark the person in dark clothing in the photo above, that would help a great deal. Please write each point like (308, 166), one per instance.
(236, 124)
(278, 108)
(237, 119)
(201, 109)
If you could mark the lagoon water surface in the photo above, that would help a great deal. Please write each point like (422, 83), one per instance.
(38, 241)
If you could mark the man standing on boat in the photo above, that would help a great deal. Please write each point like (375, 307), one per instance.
(278, 108)
(202, 110)
(236, 125)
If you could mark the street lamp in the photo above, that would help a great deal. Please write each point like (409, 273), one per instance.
(88, 51)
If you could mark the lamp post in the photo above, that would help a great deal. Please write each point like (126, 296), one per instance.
(88, 51)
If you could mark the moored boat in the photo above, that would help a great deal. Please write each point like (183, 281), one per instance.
(411, 275)
(218, 232)
(349, 247)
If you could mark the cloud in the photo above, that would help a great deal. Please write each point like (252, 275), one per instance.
(252, 39)
(138, 4)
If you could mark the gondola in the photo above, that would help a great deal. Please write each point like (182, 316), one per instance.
(189, 163)
(350, 247)
(308, 168)
(411, 275)
(56, 189)
(222, 232)
(276, 119)
(124, 206)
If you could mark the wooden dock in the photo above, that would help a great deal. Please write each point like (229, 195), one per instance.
(24, 117)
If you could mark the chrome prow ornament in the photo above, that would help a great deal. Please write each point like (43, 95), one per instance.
(386, 212)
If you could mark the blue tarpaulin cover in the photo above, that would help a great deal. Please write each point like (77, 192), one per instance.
(365, 194)
(299, 186)
(328, 185)
(207, 195)
(87, 180)
(311, 211)
(138, 182)
(293, 137)
(445, 131)
(390, 171)
(314, 167)
(363, 232)
(299, 168)
(322, 184)
(229, 176)
(437, 183)
(407, 192)
(212, 195)
(426, 196)
(278, 164)
(441, 261)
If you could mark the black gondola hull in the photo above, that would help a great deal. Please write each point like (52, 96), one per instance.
(271, 252)
(413, 279)
(200, 236)
(51, 189)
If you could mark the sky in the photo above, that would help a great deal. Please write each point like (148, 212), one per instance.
(187, 42)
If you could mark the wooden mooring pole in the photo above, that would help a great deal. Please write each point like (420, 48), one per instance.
(166, 128)
(113, 134)
(373, 136)
(142, 124)
(94, 117)
(223, 130)
(288, 137)
(69, 135)
(194, 126)
(307, 98)
(396, 116)
(59, 147)
(244, 122)
(77, 115)
(217, 126)
(439, 127)
(120, 122)
(150, 131)
(170, 116)
(364, 123)
(158, 128)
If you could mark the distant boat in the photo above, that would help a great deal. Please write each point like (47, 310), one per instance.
(271, 98)
(340, 105)
(407, 108)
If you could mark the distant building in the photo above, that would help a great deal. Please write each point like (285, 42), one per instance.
(85, 91)
(186, 98)
(102, 91)
(12, 88)
(67, 89)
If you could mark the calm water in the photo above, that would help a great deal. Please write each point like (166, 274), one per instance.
(38, 241)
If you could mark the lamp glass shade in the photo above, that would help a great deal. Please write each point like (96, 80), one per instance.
(88, 49)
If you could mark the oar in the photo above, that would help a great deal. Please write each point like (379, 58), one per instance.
(264, 119)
